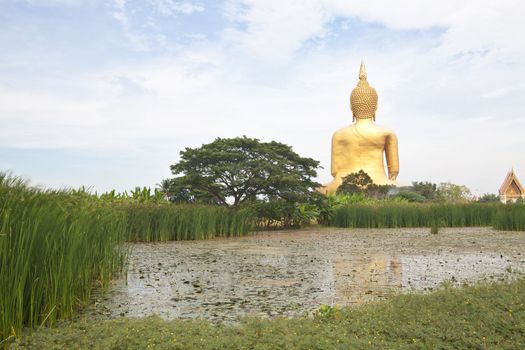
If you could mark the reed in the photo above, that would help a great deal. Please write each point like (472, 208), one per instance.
(56, 246)
(396, 214)
(167, 222)
(510, 218)
(434, 227)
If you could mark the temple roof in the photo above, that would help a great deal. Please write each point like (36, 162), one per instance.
(509, 179)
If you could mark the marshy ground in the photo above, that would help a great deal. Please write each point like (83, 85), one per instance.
(290, 273)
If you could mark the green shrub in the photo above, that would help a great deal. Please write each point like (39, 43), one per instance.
(412, 197)
(282, 214)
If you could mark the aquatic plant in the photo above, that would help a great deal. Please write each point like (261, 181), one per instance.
(56, 246)
(401, 214)
(169, 222)
(511, 217)
(434, 227)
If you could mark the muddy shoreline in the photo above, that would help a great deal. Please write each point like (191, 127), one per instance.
(290, 273)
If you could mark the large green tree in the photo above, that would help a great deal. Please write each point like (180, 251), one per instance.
(239, 170)
(355, 183)
(449, 192)
(361, 182)
(426, 189)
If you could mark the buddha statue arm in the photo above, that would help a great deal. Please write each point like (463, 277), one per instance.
(392, 156)
(335, 166)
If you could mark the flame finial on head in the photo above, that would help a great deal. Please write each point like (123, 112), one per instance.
(362, 71)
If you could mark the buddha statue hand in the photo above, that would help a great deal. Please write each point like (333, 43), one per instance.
(393, 175)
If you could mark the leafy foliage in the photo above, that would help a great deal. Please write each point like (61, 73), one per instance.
(430, 192)
(452, 193)
(361, 182)
(328, 205)
(488, 197)
(411, 196)
(139, 194)
(426, 189)
(283, 214)
(241, 170)
(355, 183)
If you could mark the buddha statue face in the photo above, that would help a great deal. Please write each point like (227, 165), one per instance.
(363, 99)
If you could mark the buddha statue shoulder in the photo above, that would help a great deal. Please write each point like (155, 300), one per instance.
(363, 145)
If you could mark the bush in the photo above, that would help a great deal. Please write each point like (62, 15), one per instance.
(412, 197)
(283, 214)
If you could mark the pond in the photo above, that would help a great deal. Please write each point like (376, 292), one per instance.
(290, 273)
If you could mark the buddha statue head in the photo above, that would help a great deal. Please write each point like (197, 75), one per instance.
(363, 99)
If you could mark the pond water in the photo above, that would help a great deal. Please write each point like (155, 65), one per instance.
(290, 273)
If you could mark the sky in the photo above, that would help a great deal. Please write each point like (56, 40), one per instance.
(105, 94)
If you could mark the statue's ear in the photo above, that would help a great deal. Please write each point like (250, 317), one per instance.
(353, 117)
(374, 117)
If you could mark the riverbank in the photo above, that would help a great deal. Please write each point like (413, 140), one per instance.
(476, 317)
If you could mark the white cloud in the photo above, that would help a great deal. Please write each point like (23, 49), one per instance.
(171, 7)
(143, 33)
(273, 28)
(138, 41)
(277, 29)
(486, 28)
(403, 14)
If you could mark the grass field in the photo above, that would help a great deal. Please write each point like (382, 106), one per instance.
(480, 317)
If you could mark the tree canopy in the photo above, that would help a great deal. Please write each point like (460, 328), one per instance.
(449, 192)
(239, 170)
(361, 182)
(426, 189)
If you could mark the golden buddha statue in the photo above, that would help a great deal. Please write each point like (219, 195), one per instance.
(361, 145)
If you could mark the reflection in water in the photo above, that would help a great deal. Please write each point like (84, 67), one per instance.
(362, 280)
(366, 279)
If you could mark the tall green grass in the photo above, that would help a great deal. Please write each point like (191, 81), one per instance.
(396, 214)
(167, 222)
(510, 218)
(53, 249)
(56, 246)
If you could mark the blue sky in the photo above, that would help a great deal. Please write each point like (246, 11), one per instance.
(106, 93)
